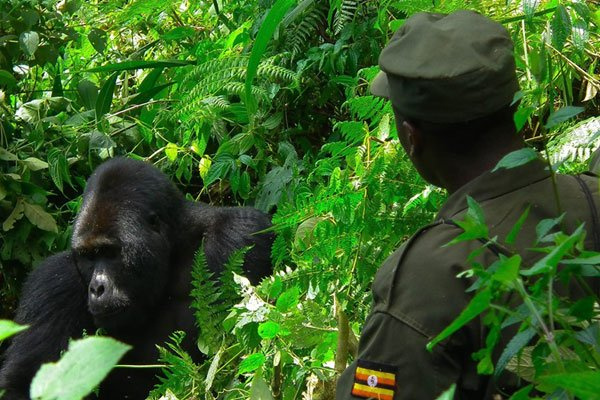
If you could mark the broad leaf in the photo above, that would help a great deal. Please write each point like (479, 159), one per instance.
(80, 369)
(562, 115)
(88, 92)
(97, 38)
(268, 330)
(516, 158)
(14, 216)
(29, 42)
(551, 260)
(585, 385)
(39, 217)
(7, 79)
(251, 363)
(476, 306)
(105, 96)
(260, 389)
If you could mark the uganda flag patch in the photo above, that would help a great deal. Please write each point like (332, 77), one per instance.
(374, 381)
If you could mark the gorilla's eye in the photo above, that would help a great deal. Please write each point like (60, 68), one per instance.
(154, 222)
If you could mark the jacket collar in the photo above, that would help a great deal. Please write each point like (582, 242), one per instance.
(494, 184)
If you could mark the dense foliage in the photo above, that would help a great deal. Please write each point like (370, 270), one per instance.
(263, 103)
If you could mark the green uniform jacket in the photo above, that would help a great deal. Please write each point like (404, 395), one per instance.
(416, 292)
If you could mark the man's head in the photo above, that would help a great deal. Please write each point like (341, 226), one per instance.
(451, 79)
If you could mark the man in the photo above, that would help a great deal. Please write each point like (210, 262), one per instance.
(451, 80)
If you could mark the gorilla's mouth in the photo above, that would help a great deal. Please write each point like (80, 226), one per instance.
(115, 318)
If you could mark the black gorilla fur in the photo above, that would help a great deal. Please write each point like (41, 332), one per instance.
(128, 272)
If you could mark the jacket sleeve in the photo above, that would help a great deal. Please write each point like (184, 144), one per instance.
(390, 346)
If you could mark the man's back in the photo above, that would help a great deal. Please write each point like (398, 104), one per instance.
(417, 294)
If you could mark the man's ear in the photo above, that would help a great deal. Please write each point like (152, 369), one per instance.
(414, 136)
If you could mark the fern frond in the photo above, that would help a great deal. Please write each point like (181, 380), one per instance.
(180, 376)
(276, 72)
(313, 19)
(344, 15)
(238, 88)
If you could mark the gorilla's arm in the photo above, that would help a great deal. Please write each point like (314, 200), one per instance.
(54, 305)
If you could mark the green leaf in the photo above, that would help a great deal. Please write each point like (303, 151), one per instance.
(143, 97)
(585, 385)
(267, 28)
(561, 27)
(220, 168)
(521, 117)
(35, 164)
(551, 260)
(97, 38)
(39, 217)
(214, 367)
(171, 151)
(273, 186)
(592, 260)
(545, 225)
(476, 306)
(516, 158)
(448, 394)
(128, 65)
(5, 155)
(9, 328)
(7, 79)
(514, 231)
(181, 32)
(88, 92)
(583, 309)
(150, 80)
(251, 363)
(105, 96)
(514, 346)
(29, 42)
(85, 364)
(15, 215)
(259, 389)
(473, 225)
(100, 141)
(522, 394)
(268, 330)
(508, 269)
(288, 299)
(59, 168)
(562, 115)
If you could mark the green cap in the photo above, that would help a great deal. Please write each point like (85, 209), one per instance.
(448, 68)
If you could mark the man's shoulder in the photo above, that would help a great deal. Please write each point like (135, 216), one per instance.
(418, 283)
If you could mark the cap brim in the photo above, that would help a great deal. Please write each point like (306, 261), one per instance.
(380, 86)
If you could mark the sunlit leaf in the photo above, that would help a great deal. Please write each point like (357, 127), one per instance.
(80, 369)
(29, 42)
(9, 328)
(251, 363)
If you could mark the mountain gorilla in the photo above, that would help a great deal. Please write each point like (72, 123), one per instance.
(128, 272)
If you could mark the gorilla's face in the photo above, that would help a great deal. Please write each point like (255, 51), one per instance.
(122, 241)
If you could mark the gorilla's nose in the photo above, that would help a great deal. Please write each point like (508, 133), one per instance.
(99, 293)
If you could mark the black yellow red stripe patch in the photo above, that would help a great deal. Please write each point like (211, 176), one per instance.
(374, 380)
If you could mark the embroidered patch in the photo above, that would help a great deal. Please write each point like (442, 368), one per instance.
(374, 381)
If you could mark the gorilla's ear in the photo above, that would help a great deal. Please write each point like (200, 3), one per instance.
(226, 229)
